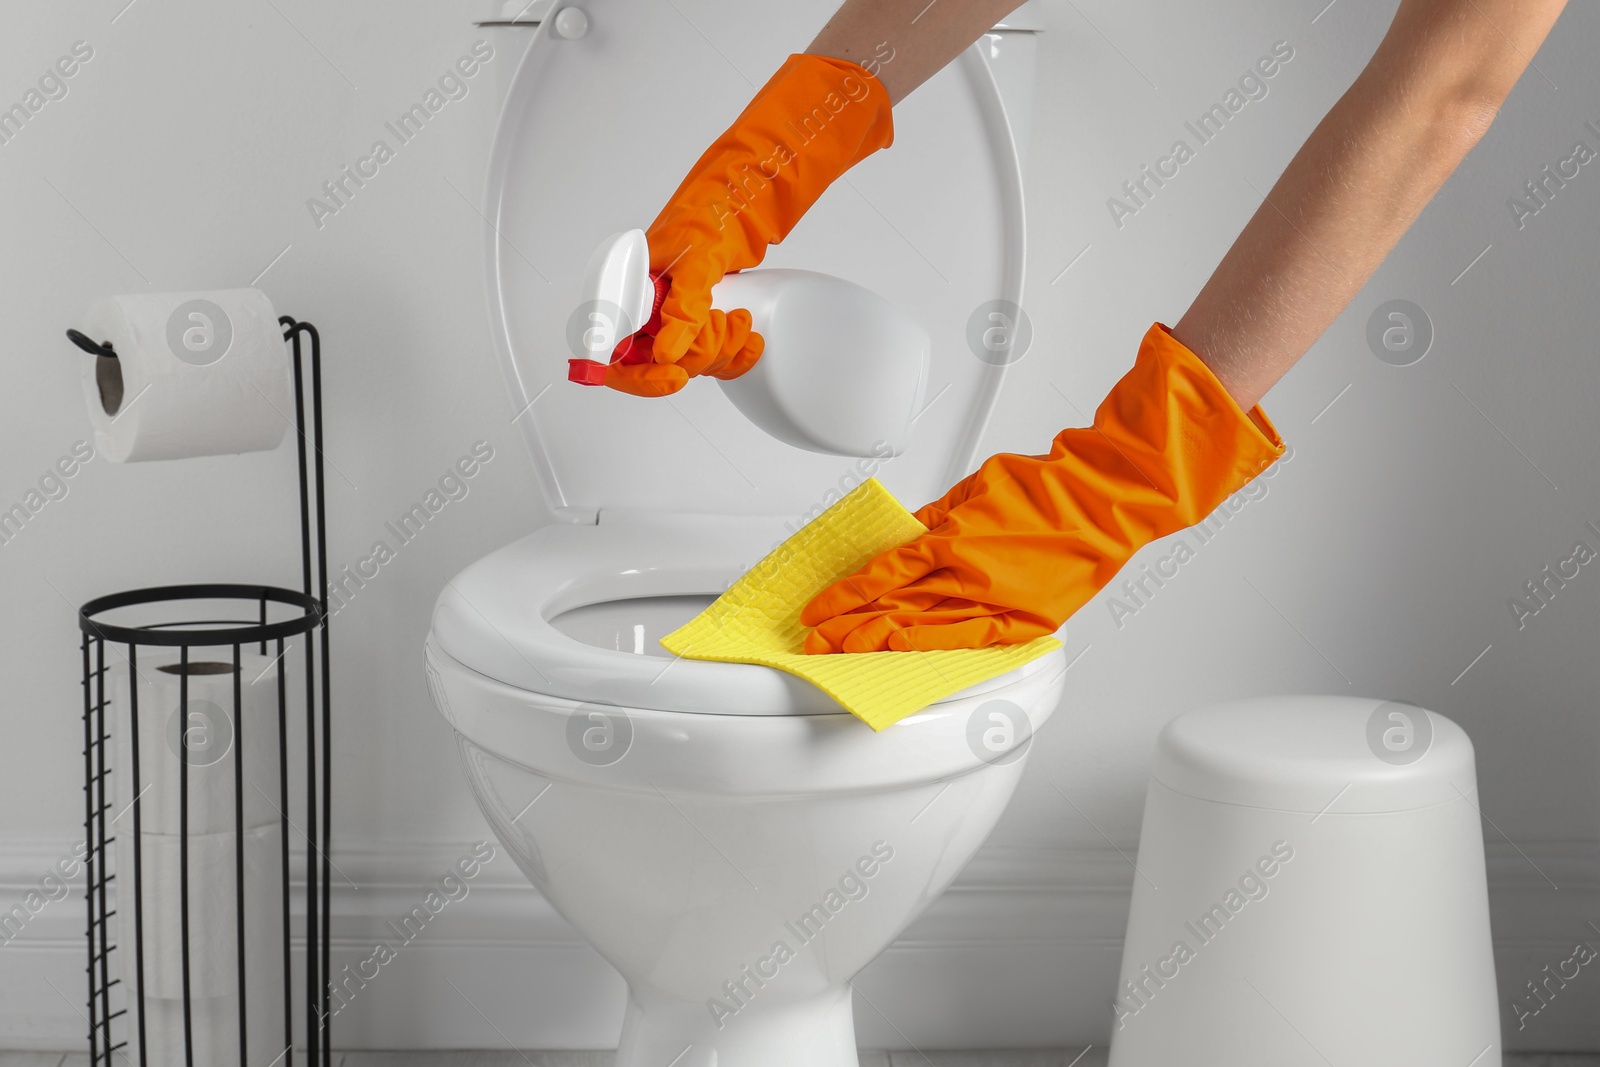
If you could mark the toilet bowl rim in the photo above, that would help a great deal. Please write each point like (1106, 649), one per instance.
(558, 568)
(755, 755)
(997, 687)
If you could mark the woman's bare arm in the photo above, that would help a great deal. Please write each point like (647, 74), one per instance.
(1425, 98)
(921, 37)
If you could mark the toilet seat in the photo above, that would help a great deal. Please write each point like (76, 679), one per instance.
(495, 616)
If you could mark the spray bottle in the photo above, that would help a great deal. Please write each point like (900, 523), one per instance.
(843, 371)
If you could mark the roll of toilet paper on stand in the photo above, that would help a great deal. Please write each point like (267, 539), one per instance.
(215, 1023)
(213, 944)
(196, 374)
(201, 744)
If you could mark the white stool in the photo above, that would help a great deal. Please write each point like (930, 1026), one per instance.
(1310, 891)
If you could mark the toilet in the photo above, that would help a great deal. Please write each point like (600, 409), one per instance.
(732, 841)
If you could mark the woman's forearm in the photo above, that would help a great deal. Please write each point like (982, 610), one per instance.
(906, 42)
(1338, 209)
(1354, 188)
(1358, 183)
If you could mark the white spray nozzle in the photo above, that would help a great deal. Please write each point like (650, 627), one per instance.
(617, 292)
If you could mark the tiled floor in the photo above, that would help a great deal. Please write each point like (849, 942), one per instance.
(1091, 1057)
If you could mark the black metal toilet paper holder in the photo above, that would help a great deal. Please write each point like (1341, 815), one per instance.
(117, 1015)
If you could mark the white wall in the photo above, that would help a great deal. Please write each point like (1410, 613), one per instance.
(1381, 561)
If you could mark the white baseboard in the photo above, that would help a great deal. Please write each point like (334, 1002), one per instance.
(1021, 952)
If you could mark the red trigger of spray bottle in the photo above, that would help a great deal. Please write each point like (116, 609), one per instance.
(632, 349)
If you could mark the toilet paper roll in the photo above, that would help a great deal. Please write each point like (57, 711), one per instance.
(215, 1022)
(206, 739)
(196, 374)
(213, 934)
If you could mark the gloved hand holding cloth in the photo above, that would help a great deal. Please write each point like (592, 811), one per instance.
(1023, 542)
(812, 121)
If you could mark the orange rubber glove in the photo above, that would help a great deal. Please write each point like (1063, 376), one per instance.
(813, 120)
(1022, 543)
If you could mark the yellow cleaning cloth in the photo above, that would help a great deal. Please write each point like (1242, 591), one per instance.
(758, 619)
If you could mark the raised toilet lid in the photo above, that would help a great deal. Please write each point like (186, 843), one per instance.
(596, 134)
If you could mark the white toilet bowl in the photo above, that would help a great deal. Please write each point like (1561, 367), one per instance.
(737, 847)
(729, 838)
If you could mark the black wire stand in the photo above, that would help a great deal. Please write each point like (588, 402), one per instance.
(118, 1017)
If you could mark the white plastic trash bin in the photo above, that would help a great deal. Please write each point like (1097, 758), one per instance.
(1309, 891)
